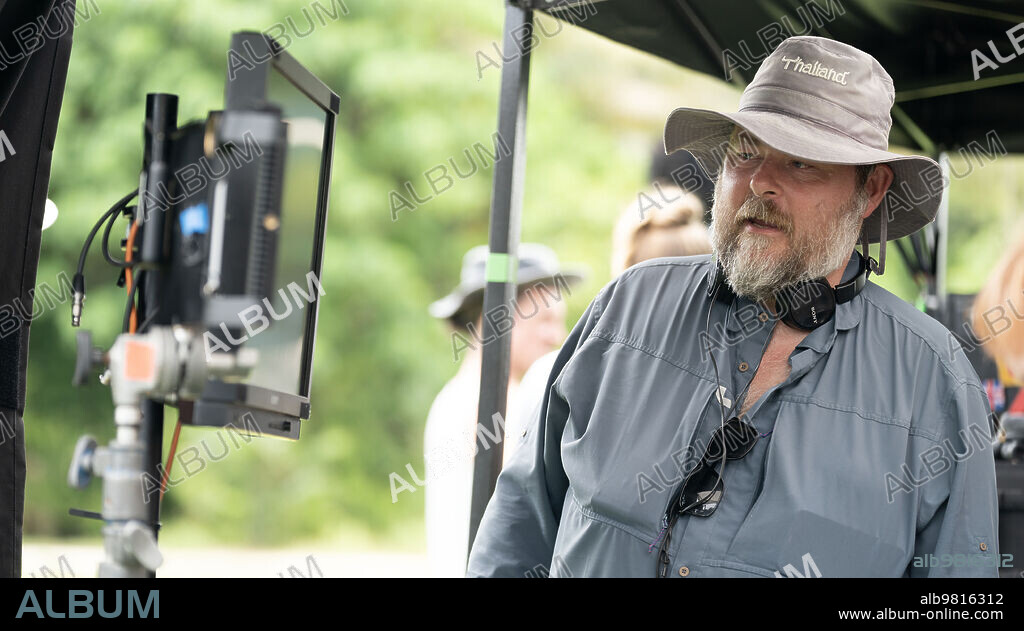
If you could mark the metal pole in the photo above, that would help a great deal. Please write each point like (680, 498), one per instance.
(152, 437)
(942, 243)
(151, 430)
(506, 204)
(161, 119)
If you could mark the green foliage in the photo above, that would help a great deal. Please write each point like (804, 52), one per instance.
(412, 96)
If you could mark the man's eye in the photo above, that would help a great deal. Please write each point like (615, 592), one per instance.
(744, 155)
(800, 165)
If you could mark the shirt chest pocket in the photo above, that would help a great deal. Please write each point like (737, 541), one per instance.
(630, 417)
(824, 494)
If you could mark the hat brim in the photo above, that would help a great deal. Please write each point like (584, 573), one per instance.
(910, 204)
(457, 305)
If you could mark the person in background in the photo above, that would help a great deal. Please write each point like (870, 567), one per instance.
(997, 319)
(681, 170)
(664, 221)
(998, 311)
(450, 438)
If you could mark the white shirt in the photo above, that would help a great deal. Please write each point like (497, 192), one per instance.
(449, 444)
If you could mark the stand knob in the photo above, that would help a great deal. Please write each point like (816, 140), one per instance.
(80, 472)
(86, 358)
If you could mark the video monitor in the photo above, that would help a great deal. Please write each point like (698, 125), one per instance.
(274, 395)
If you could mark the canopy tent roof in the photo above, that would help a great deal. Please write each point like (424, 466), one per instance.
(926, 45)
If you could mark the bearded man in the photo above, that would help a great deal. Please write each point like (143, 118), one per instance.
(768, 410)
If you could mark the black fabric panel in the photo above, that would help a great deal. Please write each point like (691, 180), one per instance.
(10, 351)
(14, 59)
(33, 89)
(12, 491)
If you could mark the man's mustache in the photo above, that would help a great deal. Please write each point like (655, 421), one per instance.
(764, 211)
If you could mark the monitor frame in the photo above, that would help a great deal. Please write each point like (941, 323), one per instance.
(222, 403)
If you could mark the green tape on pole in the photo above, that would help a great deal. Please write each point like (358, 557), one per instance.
(500, 268)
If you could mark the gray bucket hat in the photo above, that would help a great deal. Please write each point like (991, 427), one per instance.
(537, 264)
(822, 101)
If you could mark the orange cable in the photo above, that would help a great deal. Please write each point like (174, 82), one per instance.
(132, 325)
(128, 274)
(170, 459)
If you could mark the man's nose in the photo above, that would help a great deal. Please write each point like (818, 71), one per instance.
(764, 180)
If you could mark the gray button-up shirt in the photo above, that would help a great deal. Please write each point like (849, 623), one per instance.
(874, 454)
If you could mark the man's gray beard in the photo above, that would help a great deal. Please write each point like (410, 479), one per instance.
(810, 255)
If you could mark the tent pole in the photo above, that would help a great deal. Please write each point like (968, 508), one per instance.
(502, 264)
(942, 240)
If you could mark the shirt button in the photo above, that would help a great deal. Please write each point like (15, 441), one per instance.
(763, 317)
(983, 547)
(684, 571)
(743, 366)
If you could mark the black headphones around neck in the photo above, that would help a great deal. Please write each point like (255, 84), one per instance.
(805, 305)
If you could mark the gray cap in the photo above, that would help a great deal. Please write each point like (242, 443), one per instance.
(822, 101)
(537, 264)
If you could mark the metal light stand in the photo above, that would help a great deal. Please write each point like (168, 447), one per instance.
(146, 370)
(164, 364)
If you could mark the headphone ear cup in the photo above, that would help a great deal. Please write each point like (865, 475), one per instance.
(806, 305)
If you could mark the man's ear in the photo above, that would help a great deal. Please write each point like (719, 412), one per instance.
(876, 186)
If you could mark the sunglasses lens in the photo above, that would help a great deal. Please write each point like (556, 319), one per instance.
(738, 439)
(696, 488)
(702, 491)
(702, 499)
(743, 437)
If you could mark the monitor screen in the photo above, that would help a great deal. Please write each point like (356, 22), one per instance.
(275, 392)
(284, 358)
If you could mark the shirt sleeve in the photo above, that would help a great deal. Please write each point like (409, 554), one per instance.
(961, 537)
(517, 533)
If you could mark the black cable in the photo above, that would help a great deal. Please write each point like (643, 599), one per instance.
(142, 327)
(922, 259)
(78, 282)
(663, 555)
(92, 233)
(902, 247)
(105, 242)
